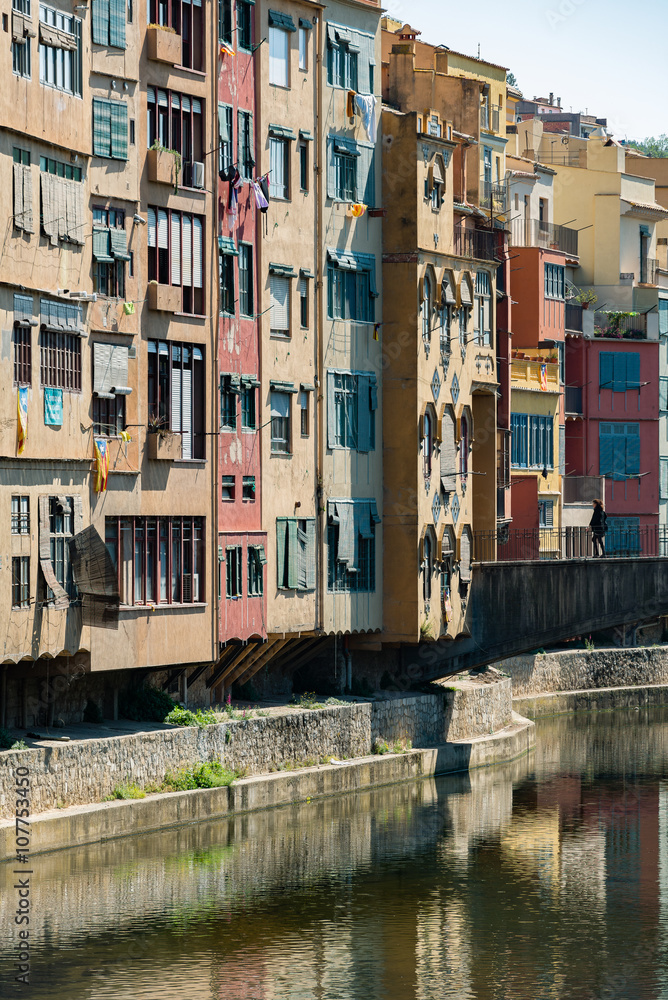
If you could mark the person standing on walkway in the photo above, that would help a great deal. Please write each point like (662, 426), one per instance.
(599, 526)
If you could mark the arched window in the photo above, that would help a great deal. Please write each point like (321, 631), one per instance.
(427, 566)
(426, 309)
(427, 442)
(463, 323)
(446, 319)
(464, 447)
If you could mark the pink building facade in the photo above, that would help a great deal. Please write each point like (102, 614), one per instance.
(241, 543)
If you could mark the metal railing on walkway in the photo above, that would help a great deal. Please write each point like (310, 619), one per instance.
(519, 544)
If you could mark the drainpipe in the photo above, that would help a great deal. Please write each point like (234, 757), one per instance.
(320, 386)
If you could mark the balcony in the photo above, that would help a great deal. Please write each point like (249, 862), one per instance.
(573, 401)
(582, 489)
(164, 44)
(490, 117)
(528, 373)
(165, 446)
(648, 269)
(479, 244)
(163, 167)
(494, 197)
(534, 233)
(164, 298)
(574, 542)
(620, 325)
(574, 317)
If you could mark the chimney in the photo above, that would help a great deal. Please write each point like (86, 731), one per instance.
(558, 102)
(551, 98)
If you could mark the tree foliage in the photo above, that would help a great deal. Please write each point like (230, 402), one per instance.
(652, 146)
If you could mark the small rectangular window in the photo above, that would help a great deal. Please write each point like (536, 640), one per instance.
(20, 515)
(233, 571)
(248, 411)
(303, 166)
(246, 279)
(228, 409)
(227, 488)
(279, 49)
(279, 292)
(244, 25)
(21, 582)
(132, 131)
(256, 561)
(303, 406)
(226, 274)
(280, 422)
(303, 48)
(279, 168)
(303, 303)
(248, 488)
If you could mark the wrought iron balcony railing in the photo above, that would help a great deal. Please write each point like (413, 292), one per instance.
(534, 233)
(479, 244)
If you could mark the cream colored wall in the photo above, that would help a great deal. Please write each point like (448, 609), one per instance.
(290, 238)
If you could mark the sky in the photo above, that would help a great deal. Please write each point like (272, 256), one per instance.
(606, 56)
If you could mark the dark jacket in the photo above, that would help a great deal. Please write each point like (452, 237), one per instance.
(598, 521)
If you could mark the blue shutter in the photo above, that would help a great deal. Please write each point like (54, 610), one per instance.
(619, 373)
(605, 449)
(101, 127)
(605, 369)
(363, 413)
(281, 538)
(117, 23)
(293, 554)
(633, 371)
(331, 412)
(632, 435)
(101, 22)
(310, 554)
(366, 181)
(119, 129)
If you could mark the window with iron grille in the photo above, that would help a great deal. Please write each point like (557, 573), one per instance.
(20, 515)
(20, 582)
(233, 569)
(246, 279)
(158, 560)
(339, 577)
(176, 393)
(108, 416)
(22, 338)
(60, 360)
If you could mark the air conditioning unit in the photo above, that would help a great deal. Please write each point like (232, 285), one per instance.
(84, 296)
(198, 175)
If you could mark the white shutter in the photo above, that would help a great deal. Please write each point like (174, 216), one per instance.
(176, 103)
(279, 289)
(197, 252)
(187, 251)
(176, 249)
(102, 373)
(119, 366)
(162, 99)
(151, 227)
(176, 395)
(197, 107)
(163, 236)
(187, 426)
(185, 102)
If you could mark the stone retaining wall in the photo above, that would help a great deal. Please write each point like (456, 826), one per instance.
(85, 771)
(580, 670)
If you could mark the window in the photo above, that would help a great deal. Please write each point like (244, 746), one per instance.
(532, 441)
(555, 281)
(228, 488)
(110, 252)
(279, 48)
(110, 129)
(22, 339)
(279, 294)
(224, 137)
(245, 157)
(619, 450)
(303, 47)
(341, 64)
(280, 422)
(22, 217)
(436, 196)
(248, 407)
(446, 323)
(60, 360)
(159, 560)
(174, 242)
(256, 562)
(303, 303)
(546, 513)
(464, 441)
(244, 25)
(463, 319)
(174, 121)
(350, 170)
(109, 23)
(351, 546)
(246, 304)
(351, 410)
(229, 392)
(482, 308)
(20, 582)
(225, 21)
(248, 488)
(132, 131)
(108, 416)
(426, 309)
(303, 407)
(233, 584)
(21, 32)
(60, 526)
(226, 280)
(345, 165)
(302, 149)
(427, 566)
(59, 169)
(542, 212)
(59, 50)
(110, 387)
(351, 288)
(20, 515)
(619, 370)
(427, 443)
(295, 553)
(186, 20)
(279, 151)
(176, 393)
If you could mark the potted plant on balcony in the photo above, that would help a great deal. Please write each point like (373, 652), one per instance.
(586, 297)
(161, 168)
(162, 443)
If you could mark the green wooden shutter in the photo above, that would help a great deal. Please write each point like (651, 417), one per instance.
(101, 22)
(310, 554)
(293, 554)
(240, 132)
(363, 413)
(251, 145)
(119, 130)
(605, 369)
(101, 127)
(117, 23)
(281, 539)
(331, 411)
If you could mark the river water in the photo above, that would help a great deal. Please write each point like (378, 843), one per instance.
(544, 878)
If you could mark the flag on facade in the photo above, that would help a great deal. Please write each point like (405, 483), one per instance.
(22, 405)
(226, 50)
(357, 210)
(101, 464)
(543, 377)
(376, 331)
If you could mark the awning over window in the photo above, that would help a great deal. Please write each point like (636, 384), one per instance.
(56, 38)
(465, 292)
(101, 246)
(305, 24)
(119, 244)
(278, 386)
(305, 135)
(281, 132)
(284, 270)
(250, 381)
(349, 261)
(277, 19)
(307, 387)
(448, 294)
(226, 245)
(304, 272)
(347, 146)
(437, 173)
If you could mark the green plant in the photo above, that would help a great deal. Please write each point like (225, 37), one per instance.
(145, 704)
(426, 630)
(380, 746)
(92, 712)
(7, 741)
(586, 296)
(19, 745)
(402, 745)
(129, 790)
(308, 699)
(589, 645)
(211, 774)
(163, 27)
(184, 717)
(157, 145)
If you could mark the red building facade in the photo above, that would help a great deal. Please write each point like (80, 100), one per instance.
(242, 544)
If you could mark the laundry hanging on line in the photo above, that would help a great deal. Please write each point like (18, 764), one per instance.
(366, 106)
